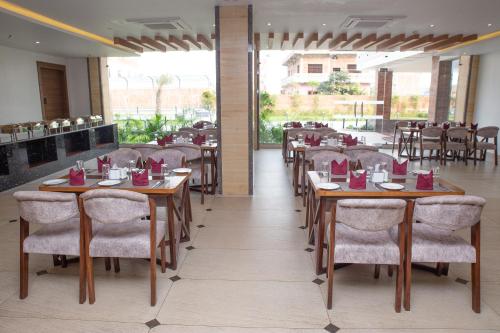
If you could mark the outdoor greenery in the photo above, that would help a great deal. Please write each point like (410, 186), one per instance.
(409, 107)
(208, 102)
(268, 133)
(339, 83)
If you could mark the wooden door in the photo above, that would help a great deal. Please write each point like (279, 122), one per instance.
(53, 90)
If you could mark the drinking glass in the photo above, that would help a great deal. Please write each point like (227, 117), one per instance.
(105, 171)
(435, 173)
(324, 173)
(174, 138)
(210, 139)
(190, 138)
(369, 172)
(79, 165)
(301, 139)
(409, 124)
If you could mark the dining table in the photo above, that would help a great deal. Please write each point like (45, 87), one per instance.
(169, 188)
(319, 198)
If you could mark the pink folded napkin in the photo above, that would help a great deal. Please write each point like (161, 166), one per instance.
(350, 141)
(105, 160)
(434, 124)
(320, 125)
(339, 168)
(462, 124)
(446, 126)
(76, 177)
(357, 183)
(421, 125)
(140, 178)
(155, 166)
(296, 124)
(399, 169)
(473, 126)
(199, 140)
(413, 124)
(161, 142)
(425, 182)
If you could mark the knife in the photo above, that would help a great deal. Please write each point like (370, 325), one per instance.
(157, 184)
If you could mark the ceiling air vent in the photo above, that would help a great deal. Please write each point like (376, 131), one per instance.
(368, 22)
(174, 23)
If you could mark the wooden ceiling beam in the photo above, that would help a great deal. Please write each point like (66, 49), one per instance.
(161, 39)
(364, 41)
(417, 43)
(178, 42)
(151, 42)
(327, 36)
(122, 42)
(377, 41)
(407, 40)
(312, 38)
(190, 39)
(205, 41)
(138, 42)
(351, 39)
(285, 39)
(444, 43)
(391, 42)
(299, 35)
(342, 37)
(270, 40)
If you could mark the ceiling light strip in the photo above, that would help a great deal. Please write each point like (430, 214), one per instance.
(45, 20)
(481, 38)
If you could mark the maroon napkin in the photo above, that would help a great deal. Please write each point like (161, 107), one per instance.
(446, 126)
(349, 141)
(320, 125)
(315, 143)
(425, 182)
(198, 125)
(339, 168)
(413, 124)
(357, 183)
(155, 166)
(140, 178)
(307, 139)
(199, 139)
(76, 177)
(434, 124)
(421, 125)
(105, 160)
(399, 169)
(473, 126)
(296, 124)
(161, 142)
(462, 124)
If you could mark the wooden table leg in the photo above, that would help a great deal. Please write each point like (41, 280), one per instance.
(212, 171)
(202, 176)
(320, 237)
(296, 174)
(171, 232)
(303, 179)
(407, 265)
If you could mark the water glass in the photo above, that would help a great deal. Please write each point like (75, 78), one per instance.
(324, 173)
(369, 172)
(174, 138)
(435, 173)
(301, 139)
(210, 139)
(105, 171)
(79, 165)
(190, 138)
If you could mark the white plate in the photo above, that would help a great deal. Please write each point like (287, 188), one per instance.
(110, 182)
(55, 181)
(328, 186)
(182, 170)
(392, 186)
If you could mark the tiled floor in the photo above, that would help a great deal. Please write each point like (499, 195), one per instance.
(246, 270)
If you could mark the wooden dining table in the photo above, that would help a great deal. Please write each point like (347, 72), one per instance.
(318, 199)
(157, 187)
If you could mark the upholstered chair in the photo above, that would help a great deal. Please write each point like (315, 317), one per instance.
(143, 148)
(189, 130)
(456, 143)
(482, 142)
(328, 156)
(433, 239)
(124, 231)
(122, 156)
(59, 232)
(397, 126)
(431, 138)
(359, 233)
(354, 151)
(372, 158)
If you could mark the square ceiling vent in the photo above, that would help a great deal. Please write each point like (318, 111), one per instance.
(173, 23)
(368, 22)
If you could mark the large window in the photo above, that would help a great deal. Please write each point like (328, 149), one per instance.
(315, 68)
(410, 95)
(453, 89)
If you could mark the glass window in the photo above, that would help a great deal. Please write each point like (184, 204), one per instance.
(453, 89)
(314, 68)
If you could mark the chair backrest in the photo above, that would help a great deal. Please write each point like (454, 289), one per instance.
(354, 151)
(207, 132)
(401, 123)
(370, 214)
(144, 149)
(115, 206)
(327, 156)
(312, 151)
(487, 132)
(457, 133)
(46, 207)
(372, 158)
(432, 133)
(191, 151)
(191, 130)
(173, 157)
(122, 156)
(449, 212)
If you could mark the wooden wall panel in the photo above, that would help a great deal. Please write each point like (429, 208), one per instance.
(95, 86)
(106, 103)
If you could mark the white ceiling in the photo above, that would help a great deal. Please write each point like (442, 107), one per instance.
(107, 17)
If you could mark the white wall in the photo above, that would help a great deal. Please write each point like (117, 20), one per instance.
(488, 91)
(19, 90)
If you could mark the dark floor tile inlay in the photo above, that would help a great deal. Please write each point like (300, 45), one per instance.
(189, 248)
(42, 272)
(13, 220)
(200, 226)
(175, 278)
(302, 227)
(318, 281)
(309, 249)
(331, 328)
(462, 281)
(298, 210)
(152, 323)
(208, 209)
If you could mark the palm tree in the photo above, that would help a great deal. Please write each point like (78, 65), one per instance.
(161, 81)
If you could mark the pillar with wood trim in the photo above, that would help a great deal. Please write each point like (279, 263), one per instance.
(384, 94)
(439, 96)
(235, 97)
(99, 88)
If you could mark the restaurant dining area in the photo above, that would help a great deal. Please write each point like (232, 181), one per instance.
(249, 166)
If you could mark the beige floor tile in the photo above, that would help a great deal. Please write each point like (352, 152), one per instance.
(255, 218)
(9, 284)
(123, 299)
(248, 265)
(22, 325)
(250, 238)
(244, 304)
(207, 329)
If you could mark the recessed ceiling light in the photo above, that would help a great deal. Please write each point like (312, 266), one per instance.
(213, 25)
(432, 25)
(268, 24)
(489, 24)
(323, 24)
(37, 42)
